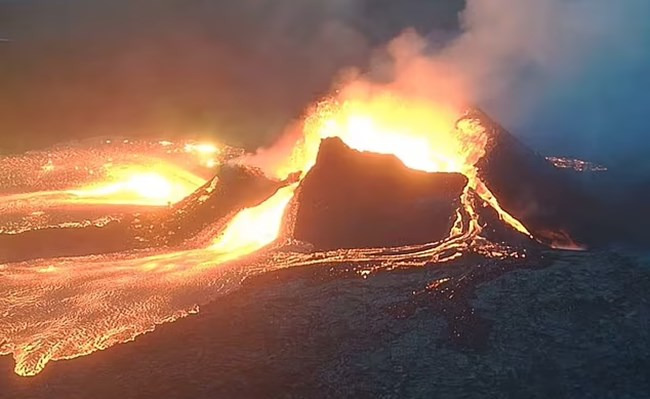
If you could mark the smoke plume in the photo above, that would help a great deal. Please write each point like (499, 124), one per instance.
(568, 76)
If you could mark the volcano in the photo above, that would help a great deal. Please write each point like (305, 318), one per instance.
(362, 189)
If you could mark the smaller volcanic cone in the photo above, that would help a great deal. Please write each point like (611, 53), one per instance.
(553, 207)
(234, 188)
(353, 199)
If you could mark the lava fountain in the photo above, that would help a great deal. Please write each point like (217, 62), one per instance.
(424, 135)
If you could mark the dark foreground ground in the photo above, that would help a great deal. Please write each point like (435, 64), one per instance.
(577, 328)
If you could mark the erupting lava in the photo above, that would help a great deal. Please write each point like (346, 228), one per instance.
(63, 308)
(421, 136)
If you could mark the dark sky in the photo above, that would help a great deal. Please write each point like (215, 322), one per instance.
(237, 70)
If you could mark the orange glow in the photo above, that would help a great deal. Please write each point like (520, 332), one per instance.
(204, 152)
(201, 148)
(417, 133)
(153, 185)
(120, 172)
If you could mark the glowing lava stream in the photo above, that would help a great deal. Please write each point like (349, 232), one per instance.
(254, 228)
(137, 185)
(76, 185)
(55, 309)
(146, 185)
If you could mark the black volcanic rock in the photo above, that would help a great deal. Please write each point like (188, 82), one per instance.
(352, 199)
(234, 188)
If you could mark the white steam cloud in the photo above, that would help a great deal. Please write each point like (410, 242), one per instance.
(569, 75)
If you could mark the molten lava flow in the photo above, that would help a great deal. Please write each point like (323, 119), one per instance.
(153, 185)
(118, 297)
(254, 228)
(112, 172)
